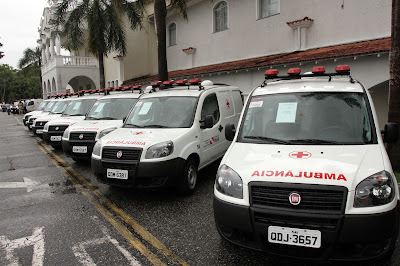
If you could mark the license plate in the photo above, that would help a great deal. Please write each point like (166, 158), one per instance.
(30, 126)
(294, 236)
(55, 138)
(117, 173)
(79, 149)
(39, 131)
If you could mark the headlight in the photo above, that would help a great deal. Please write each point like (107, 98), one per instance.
(375, 190)
(228, 182)
(66, 133)
(97, 148)
(159, 150)
(106, 131)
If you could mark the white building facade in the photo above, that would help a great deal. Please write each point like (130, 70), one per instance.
(60, 73)
(235, 41)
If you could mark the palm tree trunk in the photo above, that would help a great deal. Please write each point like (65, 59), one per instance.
(101, 69)
(394, 84)
(160, 13)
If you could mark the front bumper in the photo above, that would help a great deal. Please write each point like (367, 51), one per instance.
(140, 174)
(344, 237)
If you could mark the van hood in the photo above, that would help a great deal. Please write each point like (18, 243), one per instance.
(95, 125)
(141, 137)
(325, 165)
(48, 117)
(67, 120)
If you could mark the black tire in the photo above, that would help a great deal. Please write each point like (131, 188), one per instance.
(188, 180)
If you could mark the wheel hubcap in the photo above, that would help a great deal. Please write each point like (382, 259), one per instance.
(192, 176)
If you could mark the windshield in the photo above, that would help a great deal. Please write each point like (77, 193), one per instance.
(60, 107)
(79, 107)
(50, 106)
(111, 109)
(307, 118)
(42, 106)
(172, 112)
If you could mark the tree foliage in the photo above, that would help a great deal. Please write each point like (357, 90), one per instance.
(99, 24)
(1, 53)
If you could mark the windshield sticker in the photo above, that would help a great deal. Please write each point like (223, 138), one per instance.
(76, 106)
(286, 113)
(326, 176)
(99, 107)
(256, 104)
(138, 104)
(145, 108)
(132, 142)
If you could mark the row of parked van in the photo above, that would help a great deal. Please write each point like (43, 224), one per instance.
(304, 171)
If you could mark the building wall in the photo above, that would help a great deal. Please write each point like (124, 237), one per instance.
(248, 37)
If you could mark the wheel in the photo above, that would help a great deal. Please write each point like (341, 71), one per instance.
(188, 180)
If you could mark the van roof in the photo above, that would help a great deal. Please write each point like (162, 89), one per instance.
(309, 84)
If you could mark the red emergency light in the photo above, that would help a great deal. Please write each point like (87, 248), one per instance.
(318, 70)
(181, 82)
(271, 73)
(342, 69)
(294, 71)
(137, 87)
(195, 81)
(168, 82)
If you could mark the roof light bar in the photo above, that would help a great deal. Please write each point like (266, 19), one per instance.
(156, 84)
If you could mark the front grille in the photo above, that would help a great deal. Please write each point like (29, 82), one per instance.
(82, 136)
(60, 128)
(314, 198)
(125, 154)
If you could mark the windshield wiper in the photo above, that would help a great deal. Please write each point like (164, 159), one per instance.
(313, 141)
(92, 118)
(108, 118)
(133, 125)
(278, 141)
(76, 115)
(156, 126)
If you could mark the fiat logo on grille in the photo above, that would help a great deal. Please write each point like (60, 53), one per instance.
(294, 198)
(81, 136)
(119, 154)
(57, 128)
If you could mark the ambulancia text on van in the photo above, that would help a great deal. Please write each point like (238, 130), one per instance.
(76, 111)
(307, 174)
(106, 115)
(168, 136)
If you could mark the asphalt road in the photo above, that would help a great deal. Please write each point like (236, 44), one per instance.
(54, 212)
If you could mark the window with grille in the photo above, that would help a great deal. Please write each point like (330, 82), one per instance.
(172, 34)
(221, 17)
(268, 8)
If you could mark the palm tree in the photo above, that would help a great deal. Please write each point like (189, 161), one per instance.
(99, 24)
(160, 13)
(394, 99)
(30, 58)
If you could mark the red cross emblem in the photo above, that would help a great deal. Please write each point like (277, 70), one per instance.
(227, 103)
(300, 155)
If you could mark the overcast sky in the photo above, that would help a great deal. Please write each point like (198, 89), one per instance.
(19, 23)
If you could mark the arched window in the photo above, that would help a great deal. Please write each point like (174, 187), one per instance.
(268, 8)
(172, 34)
(221, 16)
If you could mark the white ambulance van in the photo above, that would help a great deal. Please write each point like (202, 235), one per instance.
(307, 174)
(51, 103)
(168, 136)
(39, 110)
(76, 111)
(106, 115)
(33, 104)
(56, 112)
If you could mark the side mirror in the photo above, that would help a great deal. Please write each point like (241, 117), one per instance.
(208, 122)
(390, 133)
(230, 131)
